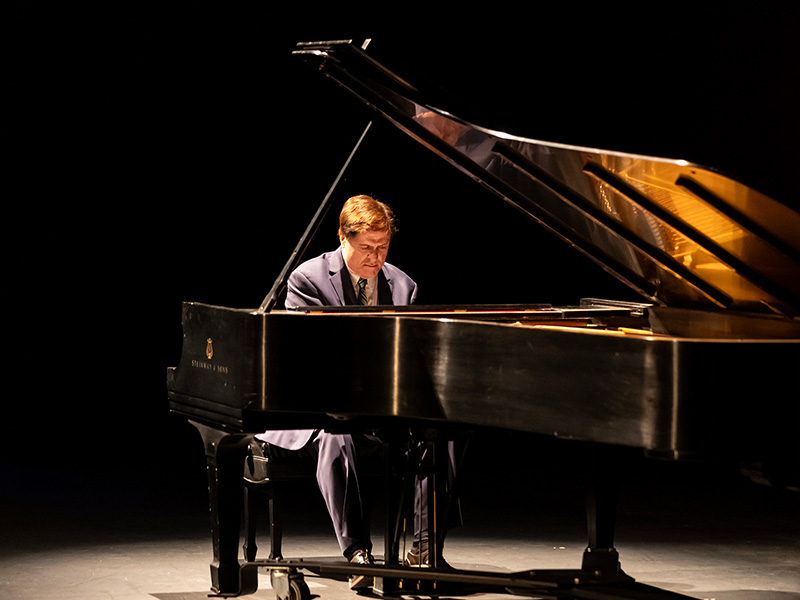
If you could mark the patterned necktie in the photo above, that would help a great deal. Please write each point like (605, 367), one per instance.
(362, 291)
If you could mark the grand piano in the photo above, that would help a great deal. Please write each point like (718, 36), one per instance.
(706, 359)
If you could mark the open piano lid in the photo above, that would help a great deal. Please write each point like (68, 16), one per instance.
(680, 234)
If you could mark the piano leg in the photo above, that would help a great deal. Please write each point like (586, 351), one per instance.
(601, 513)
(225, 456)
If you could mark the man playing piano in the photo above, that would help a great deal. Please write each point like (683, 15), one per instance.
(354, 273)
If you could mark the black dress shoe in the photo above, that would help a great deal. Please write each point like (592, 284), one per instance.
(361, 557)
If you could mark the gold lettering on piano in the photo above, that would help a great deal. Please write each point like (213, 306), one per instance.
(209, 349)
(208, 366)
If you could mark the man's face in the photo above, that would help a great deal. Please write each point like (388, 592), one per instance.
(366, 252)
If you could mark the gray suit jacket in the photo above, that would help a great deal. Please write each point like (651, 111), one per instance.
(325, 281)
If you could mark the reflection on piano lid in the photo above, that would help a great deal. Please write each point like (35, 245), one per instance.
(679, 234)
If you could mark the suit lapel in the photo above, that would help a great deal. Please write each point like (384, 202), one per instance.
(384, 291)
(346, 283)
(337, 273)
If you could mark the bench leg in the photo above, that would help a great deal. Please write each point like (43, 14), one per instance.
(250, 548)
(252, 497)
(275, 524)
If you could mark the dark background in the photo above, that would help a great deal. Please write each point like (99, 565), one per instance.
(164, 154)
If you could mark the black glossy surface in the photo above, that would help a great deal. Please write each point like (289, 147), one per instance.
(671, 395)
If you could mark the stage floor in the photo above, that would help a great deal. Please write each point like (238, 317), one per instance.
(705, 533)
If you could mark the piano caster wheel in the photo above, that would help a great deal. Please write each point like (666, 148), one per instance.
(289, 585)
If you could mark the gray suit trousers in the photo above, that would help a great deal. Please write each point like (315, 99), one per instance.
(337, 480)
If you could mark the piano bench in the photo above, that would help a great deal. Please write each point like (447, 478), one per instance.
(268, 468)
